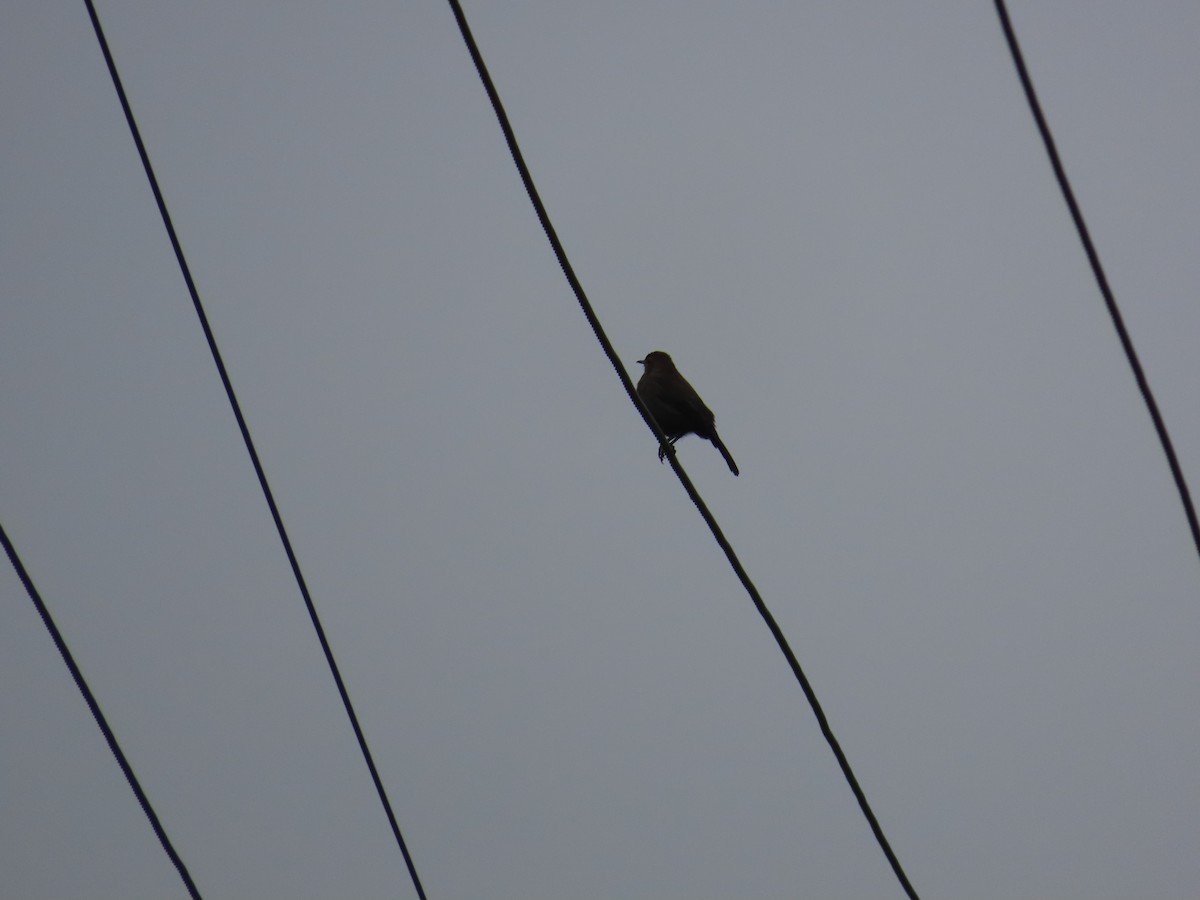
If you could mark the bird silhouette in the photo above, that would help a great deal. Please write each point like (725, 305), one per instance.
(676, 406)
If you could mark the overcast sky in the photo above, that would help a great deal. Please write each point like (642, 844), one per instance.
(836, 216)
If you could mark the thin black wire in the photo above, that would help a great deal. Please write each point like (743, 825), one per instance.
(1110, 301)
(90, 699)
(627, 383)
(258, 468)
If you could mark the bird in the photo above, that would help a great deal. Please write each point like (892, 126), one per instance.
(676, 406)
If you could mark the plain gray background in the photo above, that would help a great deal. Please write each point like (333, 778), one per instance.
(837, 216)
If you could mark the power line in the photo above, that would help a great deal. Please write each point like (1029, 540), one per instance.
(90, 699)
(254, 458)
(1110, 300)
(669, 449)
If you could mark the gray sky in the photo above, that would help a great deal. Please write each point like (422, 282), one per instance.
(838, 219)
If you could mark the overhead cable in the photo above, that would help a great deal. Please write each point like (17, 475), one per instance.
(669, 449)
(1110, 301)
(254, 458)
(90, 699)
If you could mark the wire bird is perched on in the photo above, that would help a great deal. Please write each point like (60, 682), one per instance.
(675, 404)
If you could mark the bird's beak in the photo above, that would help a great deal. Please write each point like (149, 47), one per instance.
(641, 362)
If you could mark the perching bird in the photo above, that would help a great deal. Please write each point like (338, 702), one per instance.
(675, 405)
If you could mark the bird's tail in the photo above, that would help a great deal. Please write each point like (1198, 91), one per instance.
(725, 453)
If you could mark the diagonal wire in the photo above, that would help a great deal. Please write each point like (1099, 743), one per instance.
(105, 728)
(1110, 300)
(258, 468)
(627, 383)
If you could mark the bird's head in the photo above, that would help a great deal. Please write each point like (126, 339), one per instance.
(656, 359)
